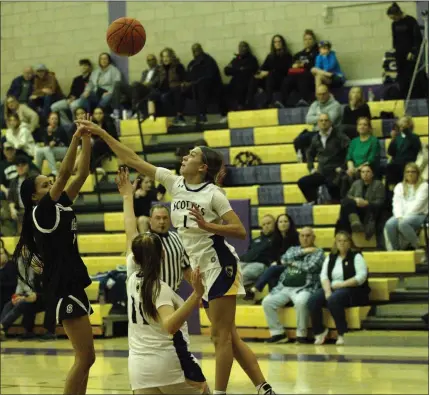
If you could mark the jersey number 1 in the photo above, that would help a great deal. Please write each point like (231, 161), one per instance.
(185, 221)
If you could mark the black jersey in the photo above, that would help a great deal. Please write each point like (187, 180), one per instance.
(55, 234)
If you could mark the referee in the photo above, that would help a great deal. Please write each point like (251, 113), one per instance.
(176, 265)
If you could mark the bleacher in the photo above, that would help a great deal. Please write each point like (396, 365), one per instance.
(271, 188)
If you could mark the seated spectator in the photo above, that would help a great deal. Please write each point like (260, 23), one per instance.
(410, 208)
(203, 82)
(22, 86)
(8, 275)
(27, 302)
(98, 92)
(46, 90)
(25, 113)
(169, 89)
(284, 237)
(138, 92)
(56, 142)
(19, 136)
(16, 206)
(327, 70)
(404, 148)
(260, 253)
(357, 108)
(144, 194)
(362, 206)
(330, 147)
(325, 103)
(363, 150)
(67, 106)
(272, 72)
(298, 87)
(299, 279)
(344, 284)
(241, 70)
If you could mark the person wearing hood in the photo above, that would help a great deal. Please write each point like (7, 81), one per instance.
(325, 103)
(327, 69)
(241, 70)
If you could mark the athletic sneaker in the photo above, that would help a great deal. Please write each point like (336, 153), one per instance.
(27, 336)
(320, 339)
(266, 389)
(278, 339)
(340, 340)
(179, 121)
(47, 337)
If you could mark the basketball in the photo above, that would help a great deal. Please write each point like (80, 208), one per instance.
(126, 36)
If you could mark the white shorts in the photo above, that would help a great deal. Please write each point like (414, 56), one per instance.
(222, 281)
(181, 388)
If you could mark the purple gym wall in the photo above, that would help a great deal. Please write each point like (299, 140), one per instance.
(117, 9)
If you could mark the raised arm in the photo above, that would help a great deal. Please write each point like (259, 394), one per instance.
(126, 190)
(83, 168)
(125, 154)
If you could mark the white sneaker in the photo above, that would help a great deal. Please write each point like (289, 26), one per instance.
(340, 340)
(320, 339)
(223, 120)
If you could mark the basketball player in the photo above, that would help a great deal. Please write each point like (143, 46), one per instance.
(159, 361)
(203, 216)
(48, 244)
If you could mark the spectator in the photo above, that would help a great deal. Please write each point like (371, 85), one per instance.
(363, 150)
(19, 136)
(330, 147)
(16, 206)
(203, 82)
(22, 86)
(273, 71)
(172, 78)
(410, 208)
(144, 194)
(357, 108)
(25, 113)
(46, 90)
(8, 275)
(56, 142)
(344, 284)
(406, 43)
(138, 92)
(325, 103)
(98, 92)
(404, 147)
(327, 70)
(79, 83)
(260, 253)
(241, 70)
(298, 281)
(284, 237)
(300, 79)
(361, 209)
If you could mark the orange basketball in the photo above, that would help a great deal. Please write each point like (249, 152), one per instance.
(126, 36)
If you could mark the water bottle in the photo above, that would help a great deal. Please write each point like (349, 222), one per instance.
(370, 95)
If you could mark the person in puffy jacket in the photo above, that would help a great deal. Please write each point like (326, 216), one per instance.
(327, 69)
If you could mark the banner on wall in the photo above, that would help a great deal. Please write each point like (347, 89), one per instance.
(243, 209)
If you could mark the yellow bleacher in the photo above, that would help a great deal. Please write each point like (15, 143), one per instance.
(282, 153)
(130, 127)
(395, 106)
(245, 119)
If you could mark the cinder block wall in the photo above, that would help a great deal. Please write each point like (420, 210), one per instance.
(59, 33)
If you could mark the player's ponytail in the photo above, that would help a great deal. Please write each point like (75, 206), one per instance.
(148, 254)
(214, 161)
(26, 249)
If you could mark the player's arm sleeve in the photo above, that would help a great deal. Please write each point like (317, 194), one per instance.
(220, 203)
(46, 215)
(166, 178)
(65, 200)
(165, 297)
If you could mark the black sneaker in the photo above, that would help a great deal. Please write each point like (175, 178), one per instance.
(202, 119)
(27, 336)
(47, 337)
(249, 295)
(302, 340)
(179, 121)
(277, 339)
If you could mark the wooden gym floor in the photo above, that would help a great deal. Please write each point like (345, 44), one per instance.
(40, 368)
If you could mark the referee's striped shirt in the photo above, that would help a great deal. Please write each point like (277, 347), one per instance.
(175, 260)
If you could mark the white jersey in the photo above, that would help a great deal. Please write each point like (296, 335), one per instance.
(204, 249)
(155, 356)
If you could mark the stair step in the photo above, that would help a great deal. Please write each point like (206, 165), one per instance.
(402, 310)
(404, 295)
(394, 323)
(416, 283)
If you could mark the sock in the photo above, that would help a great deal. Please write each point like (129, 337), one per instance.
(264, 389)
(218, 392)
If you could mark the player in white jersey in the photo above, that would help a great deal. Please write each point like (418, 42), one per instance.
(203, 216)
(159, 361)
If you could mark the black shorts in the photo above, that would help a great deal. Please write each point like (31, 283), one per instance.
(73, 306)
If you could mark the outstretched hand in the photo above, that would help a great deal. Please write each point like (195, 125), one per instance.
(122, 180)
(82, 131)
(90, 127)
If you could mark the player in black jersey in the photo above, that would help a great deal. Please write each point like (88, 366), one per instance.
(48, 244)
